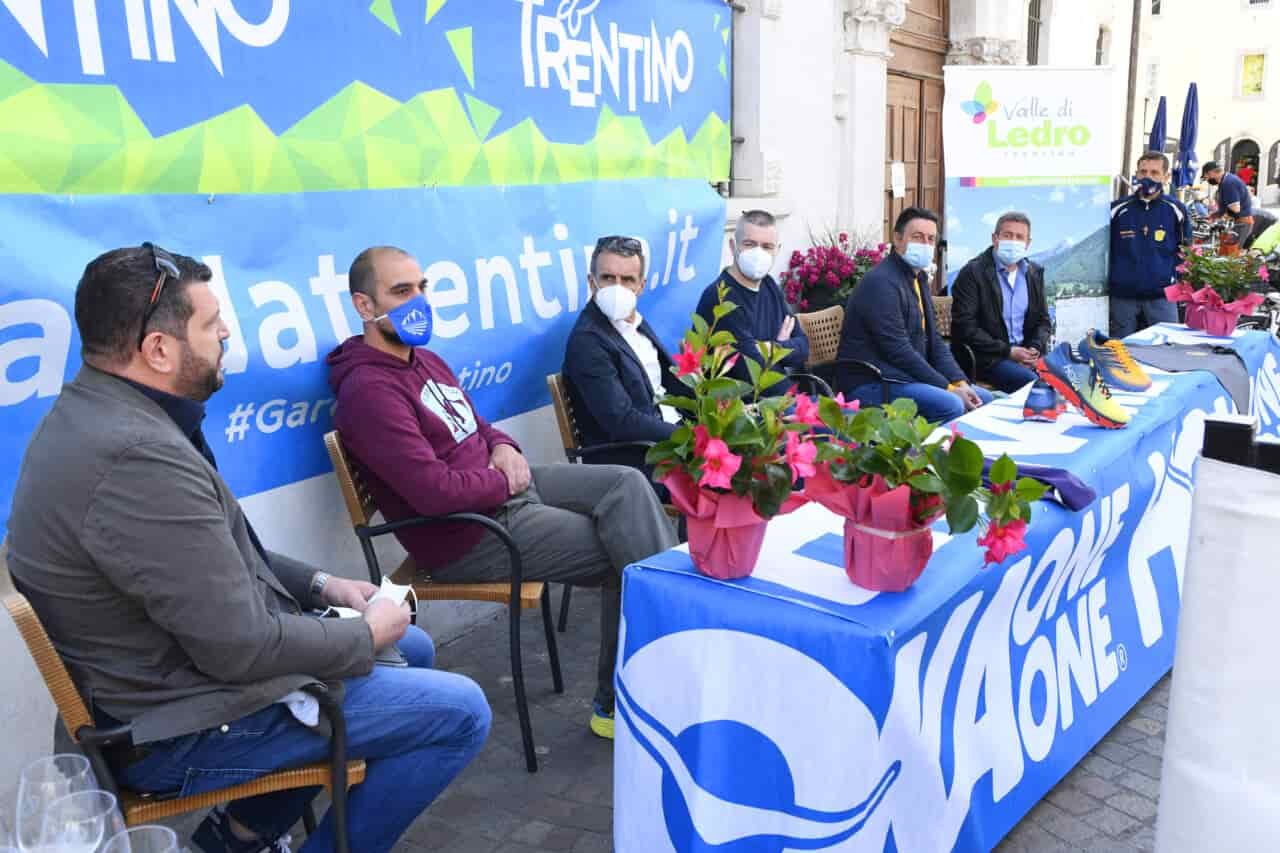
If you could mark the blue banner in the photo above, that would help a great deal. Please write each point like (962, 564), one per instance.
(793, 710)
(507, 268)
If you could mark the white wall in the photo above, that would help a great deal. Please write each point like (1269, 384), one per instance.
(1190, 46)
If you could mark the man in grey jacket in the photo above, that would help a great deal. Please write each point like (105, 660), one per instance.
(172, 617)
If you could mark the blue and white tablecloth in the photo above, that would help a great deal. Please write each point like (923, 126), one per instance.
(794, 711)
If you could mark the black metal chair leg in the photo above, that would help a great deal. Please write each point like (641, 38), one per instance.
(517, 681)
(552, 651)
(564, 607)
(309, 819)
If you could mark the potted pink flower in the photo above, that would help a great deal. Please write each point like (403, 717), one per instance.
(735, 461)
(891, 474)
(827, 272)
(1218, 289)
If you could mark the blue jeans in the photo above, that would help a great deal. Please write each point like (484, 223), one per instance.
(415, 727)
(1130, 315)
(934, 403)
(1008, 375)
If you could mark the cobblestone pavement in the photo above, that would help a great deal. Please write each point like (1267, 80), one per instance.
(1108, 803)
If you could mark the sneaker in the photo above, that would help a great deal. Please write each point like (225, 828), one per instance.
(1081, 384)
(601, 722)
(1113, 360)
(1042, 404)
(214, 835)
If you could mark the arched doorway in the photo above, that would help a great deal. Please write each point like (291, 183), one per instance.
(1244, 161)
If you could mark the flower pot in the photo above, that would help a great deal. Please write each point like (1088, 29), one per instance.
(885, 560)
(1218, 322)
(885, 549)
(725, 553)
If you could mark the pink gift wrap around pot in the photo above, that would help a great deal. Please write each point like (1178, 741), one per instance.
(725, 531)
(891, 562)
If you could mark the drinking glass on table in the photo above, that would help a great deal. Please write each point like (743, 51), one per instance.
(144, 839)
(42, 783)
(81, 822)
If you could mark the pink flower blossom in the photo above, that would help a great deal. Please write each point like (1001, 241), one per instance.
(733, 359)
(844, 237)
(847, 405)
(720, 465)
(800, 456)
(804, 303)
(955, 432)
(688, 360)
(1264, 273)
(1001, 488)
(1001, 541)
(806, 411)
(700, 439)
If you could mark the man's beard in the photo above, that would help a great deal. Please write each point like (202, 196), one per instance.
(389, 335)
(197, 378)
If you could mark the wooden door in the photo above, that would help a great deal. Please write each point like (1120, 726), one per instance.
(902, 143)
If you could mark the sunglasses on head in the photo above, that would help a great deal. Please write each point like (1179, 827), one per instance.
(166, 268)
(615, 243)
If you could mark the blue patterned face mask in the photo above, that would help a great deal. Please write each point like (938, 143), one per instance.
(412, 321)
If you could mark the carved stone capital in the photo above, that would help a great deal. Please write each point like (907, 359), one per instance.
(868, 23)
(985, 51)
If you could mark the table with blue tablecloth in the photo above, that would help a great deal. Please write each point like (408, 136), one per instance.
(792, 710)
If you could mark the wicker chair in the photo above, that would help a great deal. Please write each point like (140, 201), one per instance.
(823, 329)
(138, 808)
(515, 594)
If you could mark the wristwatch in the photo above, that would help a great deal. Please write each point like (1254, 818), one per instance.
(318, 580)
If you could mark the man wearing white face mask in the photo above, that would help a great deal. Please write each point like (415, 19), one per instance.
(615, 366)
(762, 313)
(890, 342)
(998, 309)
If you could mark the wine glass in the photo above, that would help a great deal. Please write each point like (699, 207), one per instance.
(144, 839)
(43, 782)
(81, 822)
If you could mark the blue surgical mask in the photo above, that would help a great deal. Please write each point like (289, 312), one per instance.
(1010, 252)
(1149, 186)
(918, 255)
(412, 321)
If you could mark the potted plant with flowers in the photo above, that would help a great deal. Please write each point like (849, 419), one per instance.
(1219, 289)
(734, 462)
(891, 474)
(826, 274)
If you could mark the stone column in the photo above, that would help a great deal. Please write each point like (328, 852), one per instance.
(988, 32)
(860, 104)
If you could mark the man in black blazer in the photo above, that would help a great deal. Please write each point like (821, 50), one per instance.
(998, 308)
(614, 365)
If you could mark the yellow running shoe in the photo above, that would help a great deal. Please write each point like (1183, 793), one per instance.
(1114, 361)
(601, 723)
(1081, 384)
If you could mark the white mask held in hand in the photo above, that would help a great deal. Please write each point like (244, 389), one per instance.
(755, 263)
(617, 302)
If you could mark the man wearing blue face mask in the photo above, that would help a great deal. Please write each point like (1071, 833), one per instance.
(615, 366)
(413, 432)
(889, 337)
(998, 309)
(1148, 232)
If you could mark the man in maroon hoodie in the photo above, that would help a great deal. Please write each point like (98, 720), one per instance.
(424, 450)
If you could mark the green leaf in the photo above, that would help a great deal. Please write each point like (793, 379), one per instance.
(965, 457)
(1028, 490)
(768, 379)
(903, 407)
(726, 388)
(1003, 470)
(903, 433)
(754, 369)
(682, 403)
(720, 339)
(962, 514)
(926, 483)
(831, 414)
(700, 328)
(723, 310)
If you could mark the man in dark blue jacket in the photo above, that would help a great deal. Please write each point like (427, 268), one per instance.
(889, 331)
(1148, 232)
(615, 366)
(762, 313)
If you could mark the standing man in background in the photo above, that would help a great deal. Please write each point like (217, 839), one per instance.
(1234, 200)
(1149, 230)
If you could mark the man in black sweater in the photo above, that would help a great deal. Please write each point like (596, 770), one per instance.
(889, 337)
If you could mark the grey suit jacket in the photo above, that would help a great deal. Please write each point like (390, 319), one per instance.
(138, 560)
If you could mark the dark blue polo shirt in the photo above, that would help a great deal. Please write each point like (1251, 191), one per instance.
(1146, 238)
(1233, 190)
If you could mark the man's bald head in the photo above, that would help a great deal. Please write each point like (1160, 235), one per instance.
(363, 275)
